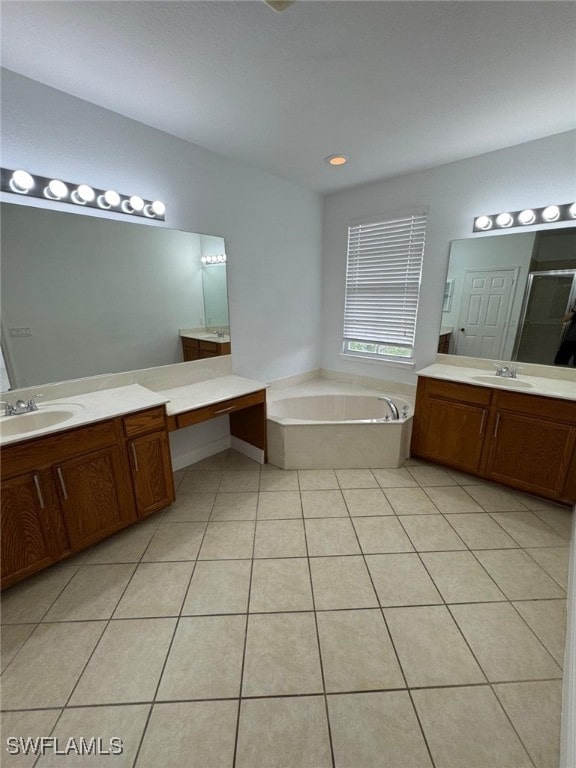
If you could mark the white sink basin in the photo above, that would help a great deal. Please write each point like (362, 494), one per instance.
(501, 381)
(11, 426)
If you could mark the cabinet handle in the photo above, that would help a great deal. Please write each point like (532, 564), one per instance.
(134, 456)
(482, 425)
(496, 425)
(62, 484)
(39, 491)
(224, 410)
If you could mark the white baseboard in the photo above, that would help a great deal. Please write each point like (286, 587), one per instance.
(199, 453)
(568, 730)
(257, 454)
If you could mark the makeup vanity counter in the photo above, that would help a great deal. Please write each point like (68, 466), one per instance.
(199, 346)
(517, 432)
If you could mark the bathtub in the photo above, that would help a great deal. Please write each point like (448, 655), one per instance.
(328, 425)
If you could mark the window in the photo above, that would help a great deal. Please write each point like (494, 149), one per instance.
(382, 286)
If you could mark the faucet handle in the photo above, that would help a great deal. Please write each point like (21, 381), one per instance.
(32, 403)
(9, 408)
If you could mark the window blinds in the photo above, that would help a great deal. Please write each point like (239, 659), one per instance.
(383, 280)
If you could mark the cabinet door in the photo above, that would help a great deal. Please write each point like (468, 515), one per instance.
(151, 472)
(190, 350)
(90, 490)
(530, 453)
(452, 433)
(26, 544)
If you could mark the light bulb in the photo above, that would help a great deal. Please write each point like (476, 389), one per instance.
(483, 222)
(551, 213)
(336, 159)
(137, 203)
(504, 220)
(21, 182)
(527, 217)
(84, 194)
(158, 207)
(56, 190)
(572, 211)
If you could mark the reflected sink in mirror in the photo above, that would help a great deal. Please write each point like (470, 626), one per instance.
(502, 381)
(10, 426)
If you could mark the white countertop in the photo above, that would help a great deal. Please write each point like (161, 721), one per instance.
(206, 337)
(208, 392)
(482, 377)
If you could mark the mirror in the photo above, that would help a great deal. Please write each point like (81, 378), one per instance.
(83, 295)
(506, 295)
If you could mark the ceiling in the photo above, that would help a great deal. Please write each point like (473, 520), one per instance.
(396, 86)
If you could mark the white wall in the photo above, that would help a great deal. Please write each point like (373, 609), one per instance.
(527, 175)
(272, 228)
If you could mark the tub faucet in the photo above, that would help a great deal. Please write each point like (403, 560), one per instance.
(393, 408)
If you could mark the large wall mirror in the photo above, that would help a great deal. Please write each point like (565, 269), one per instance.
(83, 295)
(506, 295)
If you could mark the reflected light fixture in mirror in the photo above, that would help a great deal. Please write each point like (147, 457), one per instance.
(547, 215)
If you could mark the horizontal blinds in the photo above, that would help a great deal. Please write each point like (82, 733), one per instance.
(383, 280)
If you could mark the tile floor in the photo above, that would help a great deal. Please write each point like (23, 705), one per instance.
(403, 618)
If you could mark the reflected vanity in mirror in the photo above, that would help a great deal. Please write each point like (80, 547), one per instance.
(85, 295)
(506, 295)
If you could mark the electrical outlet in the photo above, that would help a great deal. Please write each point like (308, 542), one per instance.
(19, 331)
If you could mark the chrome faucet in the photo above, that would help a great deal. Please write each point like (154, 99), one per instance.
(392, 406)
(505, 372)
(15, 409)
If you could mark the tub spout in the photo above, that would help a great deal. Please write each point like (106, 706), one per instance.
(393, 408)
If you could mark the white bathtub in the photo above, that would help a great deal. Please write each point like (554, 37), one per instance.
(333, 426)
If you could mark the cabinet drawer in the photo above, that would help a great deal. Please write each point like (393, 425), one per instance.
(219, 409)
(146, 421)
(464, 393)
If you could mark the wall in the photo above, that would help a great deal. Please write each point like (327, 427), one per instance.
(528, 175)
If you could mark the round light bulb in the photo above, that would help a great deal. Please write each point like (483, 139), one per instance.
(21, 182)
(158, 207)
(112, 198)
(56, 189)
(527, 217)
(551, 213)
(483, 222)
(85, 193)
(136, 203)
(337, 159)
(572, 211)
(504, 220)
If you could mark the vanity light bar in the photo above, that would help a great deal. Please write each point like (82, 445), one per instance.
(547, 215)
(23, 183)
(219, 259)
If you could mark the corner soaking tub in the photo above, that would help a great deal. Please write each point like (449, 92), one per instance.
(339, 427)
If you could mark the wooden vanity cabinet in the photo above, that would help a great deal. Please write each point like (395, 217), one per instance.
(199, 349)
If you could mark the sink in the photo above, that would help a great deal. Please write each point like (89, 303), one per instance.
(11, 426)
(501, 381)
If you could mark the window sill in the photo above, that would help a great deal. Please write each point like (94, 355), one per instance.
(373, 361)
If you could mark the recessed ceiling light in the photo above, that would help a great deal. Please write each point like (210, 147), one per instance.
(337, 159)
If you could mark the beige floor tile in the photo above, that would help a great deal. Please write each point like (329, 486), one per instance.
(517, 575)
(156, 589)
(426, 476)
(554, 560)
(279, 480)
(558, 518)
(494, 499)
(410, 501)
(462, 478)
(372, 730)
(381, 535)
(127, 663)
(528, 530)
(190, 508)
(357, 654)
(235, 460)
(367, 502)
(215, 462)
(535, 709)
(204, 481)
(239, 481)
(460, 578)
(332, 536)
(46, 669)
(323, 504)
(341, 582)
(280, 538)
(228, 541)
(12, 638)
(283, 733)
(535, 502)
(219, 586)
(125, 546)
(356, 478)
(279, 505)
(430, 647)
(205, 659)
(281, 655)
(547, 619)
(394, 478)
(22, 725)
(281, 585)
(431, 533)
(175, 541)
(402, 580)
(28, 601)
(466, 727)
(126, 723)
(504, 646)
(317, 479)
(235, 506)
(191, 734)
(452, 499)
(92, 593)
(479, 531)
